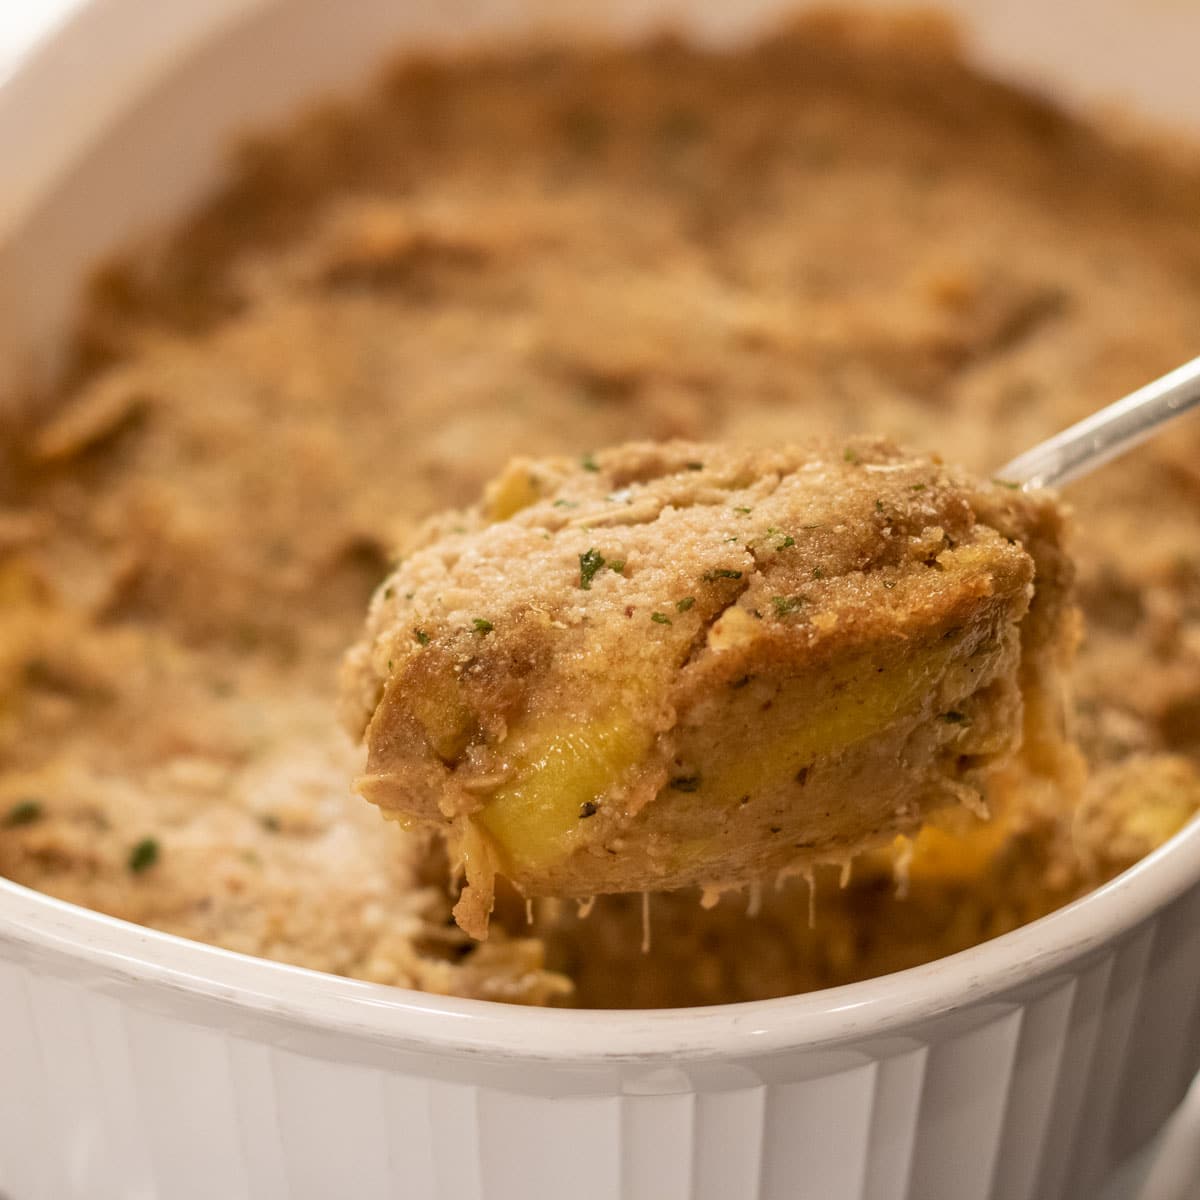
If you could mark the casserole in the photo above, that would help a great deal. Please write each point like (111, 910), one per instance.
(1039, 1065)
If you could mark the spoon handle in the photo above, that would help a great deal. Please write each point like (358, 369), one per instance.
(1107, 433)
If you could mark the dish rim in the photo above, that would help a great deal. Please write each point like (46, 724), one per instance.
(42, 926)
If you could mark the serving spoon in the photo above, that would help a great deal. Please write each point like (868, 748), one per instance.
(1106, 434)
(800, 726)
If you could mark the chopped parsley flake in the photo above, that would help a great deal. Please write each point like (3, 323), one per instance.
(788, 604)
(482, 626)
(591, 562)
(660, 618)
(694, 466)
(389, 592)
(617, 565)
(684, 604)
(686, 783)
(566, 504)
(421, 636)
(143, 856)
(917, 487)
(787, 543)
(851, 456)
(732, 539)
(1006, 483)
(743, 509)
(720, 573)
(589, 463)
(589, 808)
(879, 506)
(818, 573)
(24, 812)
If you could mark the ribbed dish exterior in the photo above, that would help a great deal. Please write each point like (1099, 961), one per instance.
(119, 1093)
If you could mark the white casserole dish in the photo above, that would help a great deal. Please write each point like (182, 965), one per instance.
(1040, 1066)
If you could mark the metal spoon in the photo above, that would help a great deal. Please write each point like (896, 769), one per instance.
(1108, 433)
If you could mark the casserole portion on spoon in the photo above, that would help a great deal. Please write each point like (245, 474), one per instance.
(680, 664)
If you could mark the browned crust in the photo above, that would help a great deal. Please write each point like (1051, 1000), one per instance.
(840, 550)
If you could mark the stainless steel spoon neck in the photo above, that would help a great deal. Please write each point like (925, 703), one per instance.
(1108, 433)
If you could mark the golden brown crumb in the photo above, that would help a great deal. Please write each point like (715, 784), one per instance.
(681, 663)
(533, 254)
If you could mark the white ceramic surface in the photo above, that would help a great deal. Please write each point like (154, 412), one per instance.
(133, 1065)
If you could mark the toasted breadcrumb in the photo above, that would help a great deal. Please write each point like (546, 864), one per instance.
(544, 253)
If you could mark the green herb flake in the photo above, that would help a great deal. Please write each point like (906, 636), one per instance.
(818, 573)
(143, 856)
(879, 506)
(720, 573)
(917, 487)
(617, 565)
(409, 595)
(787, 543)
(694, 466)
(389, 592)
(660, 618)
(482, 626)
(24, 812)
(566, 504)
(589, 463)
(1006, 483)
(743, 509)
(788, 604)
(953, 717)
(852, 456)
(680, 127)
(591, 563)
(247, 637)
(421, 636)
(686, 783)
(734, 538)
(585, 129)
(684, 604)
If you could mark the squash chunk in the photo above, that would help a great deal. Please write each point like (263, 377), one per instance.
(687, 664)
